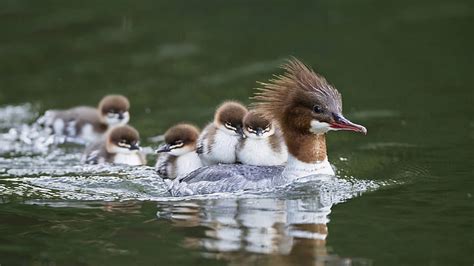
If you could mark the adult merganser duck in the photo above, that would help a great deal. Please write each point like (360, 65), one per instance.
(120, 146)
(264, 144)
(178, 155)
(219, 139)
(306, 107)
(88, 124)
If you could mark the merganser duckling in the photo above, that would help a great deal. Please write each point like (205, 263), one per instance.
(178, 155)
(88, 124)
(264, 144)
(120, 146)
(306, 107)
(218, 140)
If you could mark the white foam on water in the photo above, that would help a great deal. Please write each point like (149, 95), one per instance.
(18, 136)
(14, 115)
(62, 176)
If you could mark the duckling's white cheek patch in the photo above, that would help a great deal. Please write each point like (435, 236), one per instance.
(269, 133)
(112, 120)
(120, 150)
(319, 127)
(180, 151)
(228, 131)
(175, 152)
(126, 118)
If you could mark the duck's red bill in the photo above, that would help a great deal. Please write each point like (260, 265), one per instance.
(343, 124)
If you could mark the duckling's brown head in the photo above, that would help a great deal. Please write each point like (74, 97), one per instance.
(303, 101)
(255, 125)
(113, 110)
(123, 139)
(229, 116)
(180, 139)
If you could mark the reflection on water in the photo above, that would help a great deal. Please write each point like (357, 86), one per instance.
(125, 207)
(404, 69)
(268, 231)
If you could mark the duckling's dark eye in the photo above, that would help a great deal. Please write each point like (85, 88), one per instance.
(317, 109)
(229, 125)
(178, 142)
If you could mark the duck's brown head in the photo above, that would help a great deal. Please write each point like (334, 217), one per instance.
(303, 102)
(123, 139)
(113, 110)
(257, 126)
(180, 139)
(229, 116)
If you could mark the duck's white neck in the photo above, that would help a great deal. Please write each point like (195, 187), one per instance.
(296, 169)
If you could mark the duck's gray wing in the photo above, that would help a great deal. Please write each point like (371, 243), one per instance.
(218, 172)
(225, 178)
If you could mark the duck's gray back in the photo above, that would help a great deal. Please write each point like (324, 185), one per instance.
(225, 178)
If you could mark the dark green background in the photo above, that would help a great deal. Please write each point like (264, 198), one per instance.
(404, 68)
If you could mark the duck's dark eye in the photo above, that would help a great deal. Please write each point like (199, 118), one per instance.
(317, 109)
(178, 142)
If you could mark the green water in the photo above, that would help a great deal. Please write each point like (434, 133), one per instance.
(404, 68)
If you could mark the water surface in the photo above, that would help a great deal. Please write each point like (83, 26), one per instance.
(405, 195)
